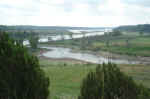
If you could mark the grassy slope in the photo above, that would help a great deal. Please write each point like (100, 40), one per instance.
(66, 80)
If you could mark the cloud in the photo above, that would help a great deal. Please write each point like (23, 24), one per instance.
(145, 3)
(74, 12)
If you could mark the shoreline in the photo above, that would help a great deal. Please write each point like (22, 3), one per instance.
(70, 60)
(141, 60)
(105, 54)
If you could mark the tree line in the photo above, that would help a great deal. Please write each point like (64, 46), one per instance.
(135, 28)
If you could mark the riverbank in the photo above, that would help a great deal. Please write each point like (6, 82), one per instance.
(63, 60)
(110, 55)
(106, 55)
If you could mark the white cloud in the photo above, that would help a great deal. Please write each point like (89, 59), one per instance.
(112, 7)
(72, 12)
(143, 3)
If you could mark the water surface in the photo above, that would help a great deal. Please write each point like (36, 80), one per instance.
(59, 53)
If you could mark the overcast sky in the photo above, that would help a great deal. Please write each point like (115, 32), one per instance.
(74, 12)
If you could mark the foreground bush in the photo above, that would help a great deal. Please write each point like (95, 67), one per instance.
(20, 73)
(108, 82)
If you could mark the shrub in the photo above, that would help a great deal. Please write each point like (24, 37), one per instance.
(20, 74)
(108, 82)
(116, 33)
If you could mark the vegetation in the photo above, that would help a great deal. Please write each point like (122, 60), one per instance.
(138, 46)
(20, 74)
(29, 27)
(28, 80)
(135, 28)
(115, 33)
(66, 77)
(108, 82)
(43, 30)
(121, 44)
(33, 41)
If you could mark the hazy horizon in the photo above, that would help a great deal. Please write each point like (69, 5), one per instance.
(74, 13)
(74, 26)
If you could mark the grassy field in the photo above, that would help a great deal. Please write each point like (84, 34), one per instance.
(66, 78)
(139, 46)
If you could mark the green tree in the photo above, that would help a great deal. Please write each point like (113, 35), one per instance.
(128, 44)
(141, 33)
(108, 82)
(107, 43)
(116, 33)
(71, 36)
(33, 41)
(20, 74)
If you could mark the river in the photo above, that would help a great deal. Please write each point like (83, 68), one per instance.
(60, 53)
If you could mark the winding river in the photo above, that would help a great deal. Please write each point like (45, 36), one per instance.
(60, 53)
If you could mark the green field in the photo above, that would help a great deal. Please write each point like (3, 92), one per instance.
(66, 78)
(139, 46)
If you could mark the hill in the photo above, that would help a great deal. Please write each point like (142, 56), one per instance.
(135, 28)
(29, 27)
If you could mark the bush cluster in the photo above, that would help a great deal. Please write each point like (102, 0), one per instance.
(108, 82)
(20, 74)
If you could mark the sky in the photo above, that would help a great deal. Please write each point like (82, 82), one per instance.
(85, 13)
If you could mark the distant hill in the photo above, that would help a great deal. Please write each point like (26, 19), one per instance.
(28, 27)
(135, 28)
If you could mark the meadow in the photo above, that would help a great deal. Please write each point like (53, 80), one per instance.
(139, 46)
(66, 77)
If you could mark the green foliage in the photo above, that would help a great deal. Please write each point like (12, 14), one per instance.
(19, 36)
(33, 41)
(116, 33)
(20, 74)
(108, 82)
(141, 33)
(135, 28)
